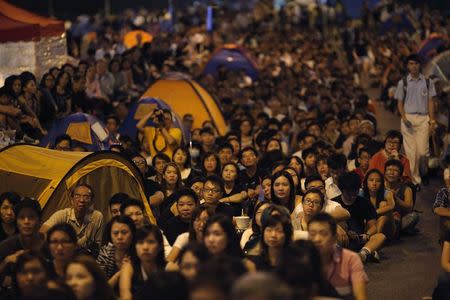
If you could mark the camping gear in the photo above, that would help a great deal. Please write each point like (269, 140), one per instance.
(84, 129)
(49, 176)
(231, 57)
(184, 95)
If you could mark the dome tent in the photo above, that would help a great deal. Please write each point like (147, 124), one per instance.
(49, 175)
(184, 95)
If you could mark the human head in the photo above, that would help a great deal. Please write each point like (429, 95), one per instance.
(220, 236)
(225, 153)
(171, 176)
(164, 285)
(283, 190)
(182, 157)
(312, 202)
(210, 163)
(367, 127)
(309, 156)
(115, 202)
(28, 216)
(7, 202)
(249, 157)
(315, 182)
(296, 163)
(273, 144)
(393, 170)
(413, 63)
(186, 202)
(230, 172)
(196, 184)
(349, 183)
(63, 142)
(62, 241)
(276, 233)
(121, 232)
(188, 121)
(374, 183)
(261, 286)
(31, 275)
(150, 246)
(87, 280)
(337, 164)
(190, 258)
(82, 197)
(159, 161)
(200, 216)
(112, 124)
(140, 162)
(322, 230)
(213, 189)
(134, 209)
(207, 137)
(363, 158)
(393, 141)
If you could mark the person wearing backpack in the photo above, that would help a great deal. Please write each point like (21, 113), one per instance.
(414, 96)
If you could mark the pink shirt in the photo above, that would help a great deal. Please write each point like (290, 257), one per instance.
(346, 269)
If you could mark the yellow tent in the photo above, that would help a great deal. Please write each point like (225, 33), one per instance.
(49, 175)
(184, 96)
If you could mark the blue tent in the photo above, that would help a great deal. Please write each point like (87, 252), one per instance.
(84, 129)
(399, 22)
(430, 46)
(139, 110)
(232, 58)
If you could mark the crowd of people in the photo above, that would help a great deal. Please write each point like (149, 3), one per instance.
(291, 203)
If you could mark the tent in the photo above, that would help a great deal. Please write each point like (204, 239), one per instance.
(439, 68)
(397, 22)
(184, 95)
(231, 57)
(84, 129)
(141, 108)
(429, 47)
(49, 175)
(40, 41)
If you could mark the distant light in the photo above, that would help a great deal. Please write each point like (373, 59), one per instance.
(230, 59)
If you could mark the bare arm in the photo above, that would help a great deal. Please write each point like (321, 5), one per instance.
(141, 124)
(236, 198)
(401, 109)
(173, 254)
(114, 280)
(408, 201)
(169, 139)
(126, 274)
(340, 214)
(442, 212)
(359, 290)
(371, 227)
(445, 258)
(157, 198)
(387, 205)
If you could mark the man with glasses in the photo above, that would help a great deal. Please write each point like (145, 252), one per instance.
(391, 150)
(87, 222)
(213, 188)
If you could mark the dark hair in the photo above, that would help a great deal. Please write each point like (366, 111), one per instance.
(9, 82)
(22, 260)
(248, 148)
(215, 179)
(273, 139)
(199, 251)
(233, 248)
(308, 151)
(43, 79)
(178, 184)
(349, 181)
(63, 137)
(187, 163)
(272, 221)
(151, 229)
(291, 201)
(131, 202)
(394, 162)
(207, 130)
(12, 197)
(414, 57)
(28, 203)
(113, 117)
(300, 162)
(186, 192)
(122, 220)
(235, 166)
(218, 166)
(337, 162)
(164, 285)
(324, 218)
(66, 228)
(225, 145)
(318, 192)
(255, 228)
(118, 198)
(196, 214)
(314, 177)
(380, 192)
(79, 184)
(58, 78)
(299, 268)
(160, 156)
(102, 289)
(393, 134)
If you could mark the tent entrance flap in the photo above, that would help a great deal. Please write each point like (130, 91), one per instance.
(28, 186)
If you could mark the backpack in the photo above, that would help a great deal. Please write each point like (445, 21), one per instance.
(405, 86)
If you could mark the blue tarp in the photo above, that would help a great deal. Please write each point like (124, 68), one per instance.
(135, 113)
(84, 129)
(232, 59)
(428, 49)
(398, 23)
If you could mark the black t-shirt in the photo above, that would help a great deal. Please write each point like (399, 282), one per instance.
(173, 228)
(237, 207)
(249, 182)
(151, 187)
(226, 209)
(360, 211)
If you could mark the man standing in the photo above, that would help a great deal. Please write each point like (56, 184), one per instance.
(414, 96)
(86, 221)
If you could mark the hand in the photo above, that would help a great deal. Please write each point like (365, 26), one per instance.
(13, 257)
(342, 237)
(14, 111)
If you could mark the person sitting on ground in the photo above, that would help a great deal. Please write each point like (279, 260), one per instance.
(62, 245)
(7, 217)
(312, 203)
(362, 162)
(342, 267)
(87, 222)
(63, 142)
(213, 190)
(362, 225)
(115, 202)
(441, 208)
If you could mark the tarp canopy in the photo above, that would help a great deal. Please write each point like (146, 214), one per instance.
(17, 24)
(84, 129)
(429, 47)
(439, 67)
(141, 108)
(187, 96)
(49, 175)
(397, 22)
(231, 57)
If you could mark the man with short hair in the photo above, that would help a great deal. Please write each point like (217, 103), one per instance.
(225, 153)
(213, 190)
(115, 202)
(250, 177)
(87, 222)
(343, 268)
(113, 124)
(208, 140)
(415, 104)
(63, 142)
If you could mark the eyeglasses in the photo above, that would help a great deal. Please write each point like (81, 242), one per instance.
(80, 196)
(311, 202)
(215, 191)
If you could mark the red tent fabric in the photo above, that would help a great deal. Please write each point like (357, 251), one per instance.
(17, 24)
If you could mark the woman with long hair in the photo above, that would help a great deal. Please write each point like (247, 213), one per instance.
(245, 132)
(381, 199)
(62, 245)
(210, 164)
(251, 237)
(276, 236)
(148, 260)
(182, 157)
(170, 184)
(62, 93)
(30, 106)
(87, 280)
(49, 107)
(120, 235)
(191, 256)
(7, 217)
(283, 190)
(234, 193)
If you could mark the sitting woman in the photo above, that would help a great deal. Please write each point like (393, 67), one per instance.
(283, 190)
(182, 158)
(171, 182)
(62, 244)
(210, 164)
(119, 238)
(251, 237)
(234, 193)
(276, 236)
(382, 200)
(7, 218)
(148, 260)
(191, 256)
